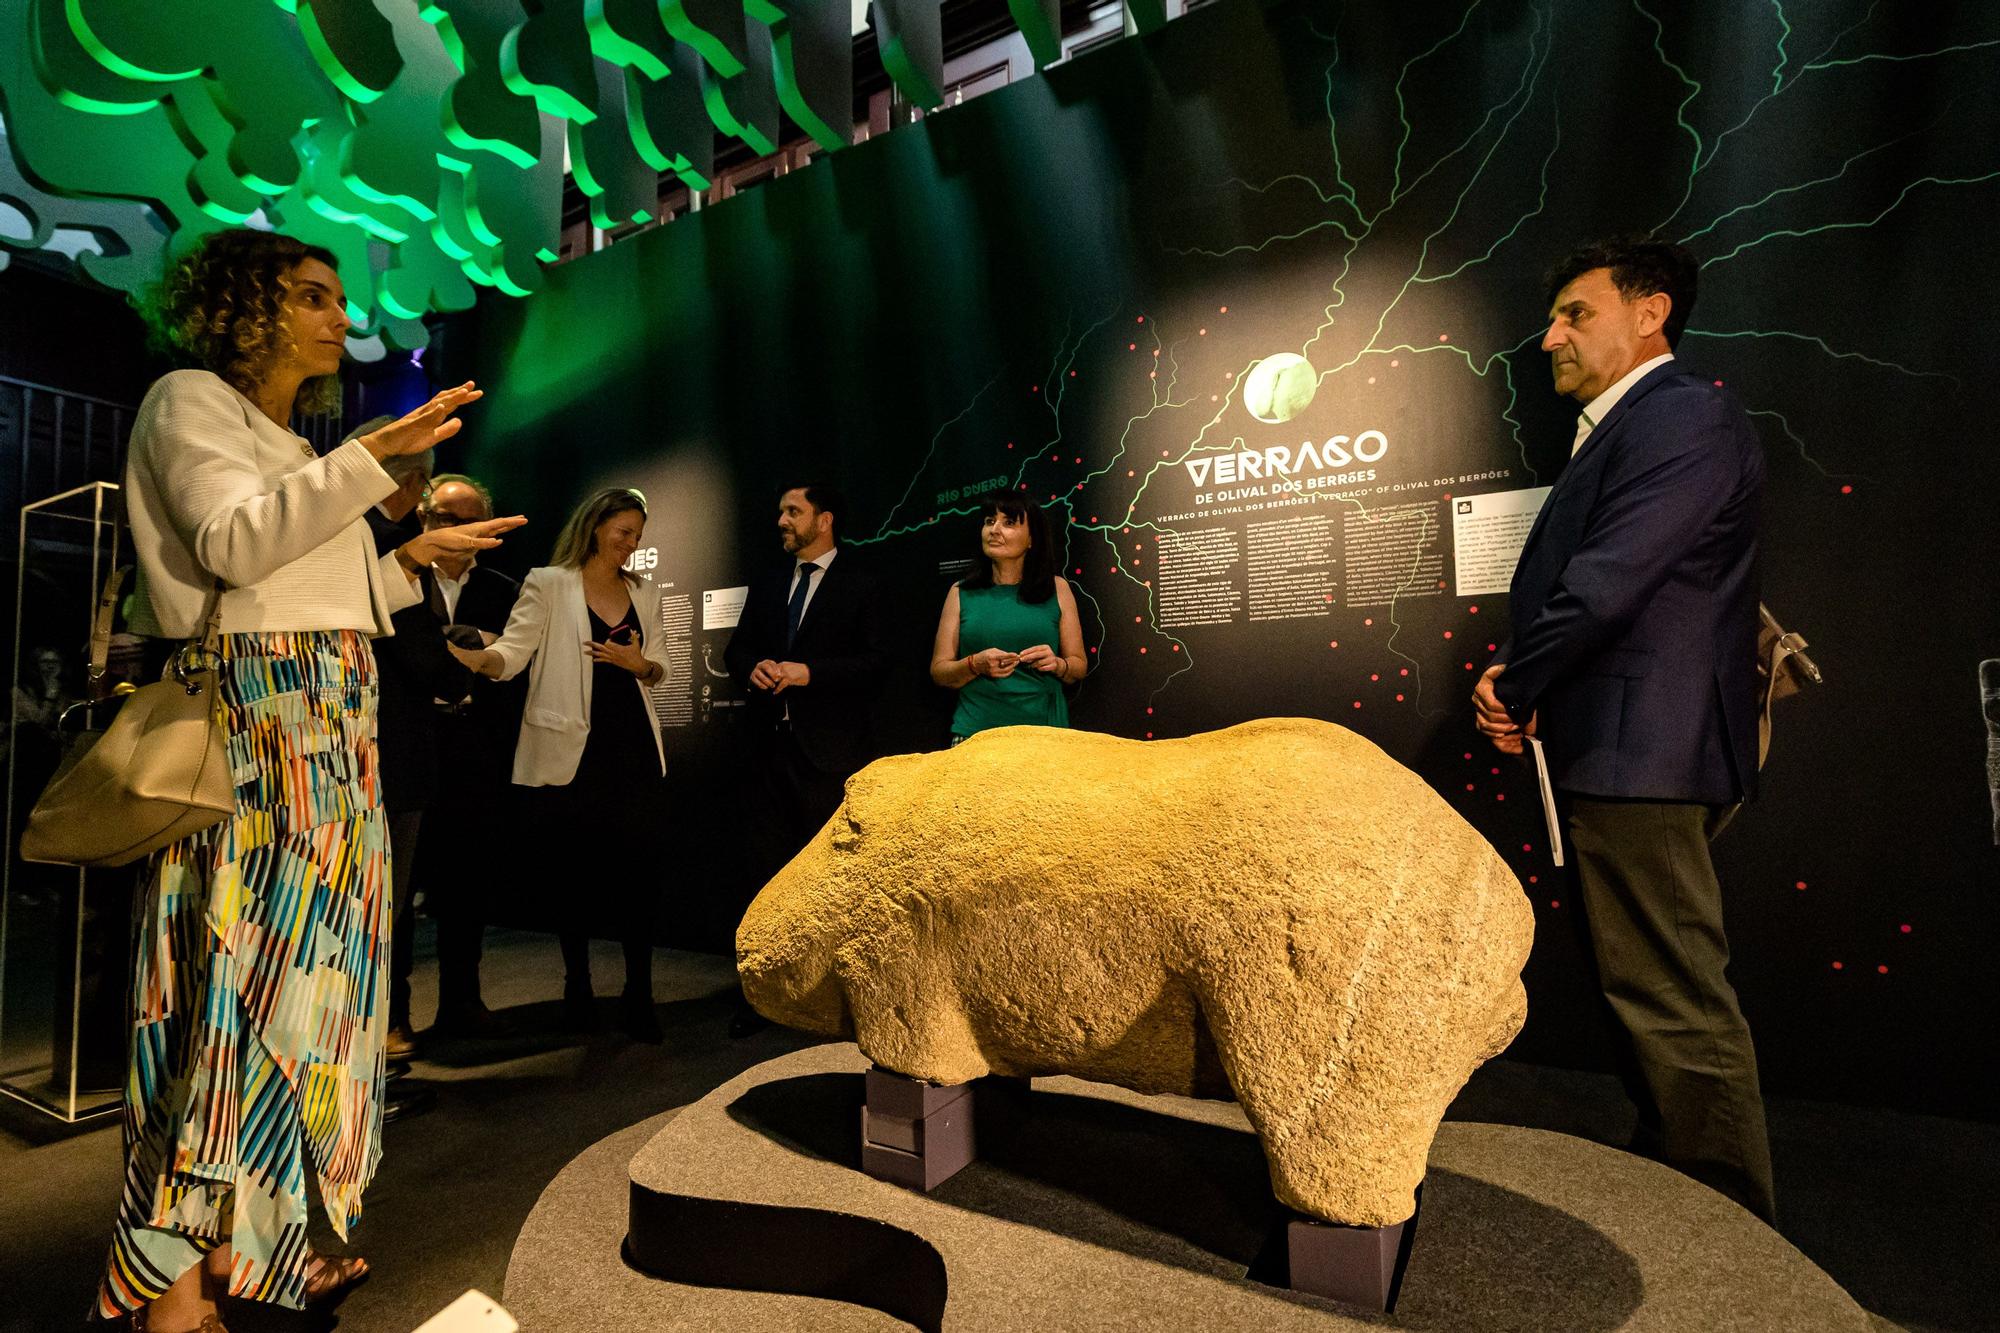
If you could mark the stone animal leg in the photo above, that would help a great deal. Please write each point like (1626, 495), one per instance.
(1338, 1103)
(908, 1016)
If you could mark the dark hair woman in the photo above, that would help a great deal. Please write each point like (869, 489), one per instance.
(1009, 637)
(256, 1058)
(589, 740)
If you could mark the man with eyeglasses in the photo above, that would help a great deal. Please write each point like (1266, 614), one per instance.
(476, 726)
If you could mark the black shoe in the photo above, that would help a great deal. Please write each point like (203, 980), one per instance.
(468, 1018)
(746, 1022)
(403, 1102)
(579, 1008)
(639, 1020)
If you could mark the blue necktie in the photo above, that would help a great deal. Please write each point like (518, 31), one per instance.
(796, 612)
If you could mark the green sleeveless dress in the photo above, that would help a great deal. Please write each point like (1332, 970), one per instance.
(996, 617)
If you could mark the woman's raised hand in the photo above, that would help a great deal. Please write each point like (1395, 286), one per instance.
(431, 424)
(463, 539)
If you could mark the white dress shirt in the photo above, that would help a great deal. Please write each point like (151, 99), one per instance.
(449, 588)
(1600, 407)
(798, 572)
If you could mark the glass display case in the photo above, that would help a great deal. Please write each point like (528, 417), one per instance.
(65, 935)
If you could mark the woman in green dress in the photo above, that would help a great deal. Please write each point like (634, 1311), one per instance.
(1009, 638)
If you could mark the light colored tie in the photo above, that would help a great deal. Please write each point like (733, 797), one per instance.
(1584, 425)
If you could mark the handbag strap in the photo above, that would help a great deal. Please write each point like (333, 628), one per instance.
(100, 627)
(107, 612)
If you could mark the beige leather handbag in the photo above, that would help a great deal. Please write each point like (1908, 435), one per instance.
(157, 773)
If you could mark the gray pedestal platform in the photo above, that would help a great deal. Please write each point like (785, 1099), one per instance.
(1116, 1211)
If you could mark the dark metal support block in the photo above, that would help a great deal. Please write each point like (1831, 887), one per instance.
(1359, 1265)
(919, 1134)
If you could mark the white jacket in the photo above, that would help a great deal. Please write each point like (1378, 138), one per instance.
(549, 626)
(215, 489)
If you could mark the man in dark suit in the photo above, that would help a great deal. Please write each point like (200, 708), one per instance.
(1632, 659)
(477, 726)
(412, 666)
(810, 650)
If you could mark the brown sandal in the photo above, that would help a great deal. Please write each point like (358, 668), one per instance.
(331, 1276)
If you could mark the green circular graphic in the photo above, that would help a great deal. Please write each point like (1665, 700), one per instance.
(1279, 387)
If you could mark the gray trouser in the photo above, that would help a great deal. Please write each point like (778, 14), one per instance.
(1654, 911)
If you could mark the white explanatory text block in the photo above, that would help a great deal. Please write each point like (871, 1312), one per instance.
(721, 608)
(1488, 532)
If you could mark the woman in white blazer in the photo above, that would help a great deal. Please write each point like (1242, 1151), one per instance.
(258, 1007)
(589, 739)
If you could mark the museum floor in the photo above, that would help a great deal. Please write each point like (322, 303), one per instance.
(1896, 1208)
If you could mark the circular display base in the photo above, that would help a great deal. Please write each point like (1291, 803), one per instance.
(1107, 1209)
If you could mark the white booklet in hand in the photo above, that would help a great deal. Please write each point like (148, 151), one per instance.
(1548, 800)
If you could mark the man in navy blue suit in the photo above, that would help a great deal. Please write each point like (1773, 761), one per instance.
(1632, 659)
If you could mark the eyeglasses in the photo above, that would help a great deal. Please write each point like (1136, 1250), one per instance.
(441, 520)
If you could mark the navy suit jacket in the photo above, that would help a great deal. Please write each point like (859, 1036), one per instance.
(1634, 606)
(841, 641)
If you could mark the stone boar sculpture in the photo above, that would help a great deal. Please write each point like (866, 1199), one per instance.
(1277, 912)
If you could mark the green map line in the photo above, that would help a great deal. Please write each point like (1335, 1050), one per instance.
(1898, 59)
(1821, 344)
(1525, 91)
(1799, 441)
(929, 454)
(1807, 185)
(1680, 112)
(1849, 226)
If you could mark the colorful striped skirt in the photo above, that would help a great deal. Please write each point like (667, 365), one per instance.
(259, 989)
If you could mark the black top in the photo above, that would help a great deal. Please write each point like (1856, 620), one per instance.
(413, 667)
(619, 754)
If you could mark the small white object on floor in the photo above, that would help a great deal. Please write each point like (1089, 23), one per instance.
(474, 1312)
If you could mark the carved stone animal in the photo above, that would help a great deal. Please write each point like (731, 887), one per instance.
(1277, 911)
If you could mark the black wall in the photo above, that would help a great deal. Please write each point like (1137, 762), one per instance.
(1379, 189)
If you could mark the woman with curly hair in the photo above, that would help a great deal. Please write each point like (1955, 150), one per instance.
(257, 992)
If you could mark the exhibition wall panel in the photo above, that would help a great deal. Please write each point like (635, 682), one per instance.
(1253, 303)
